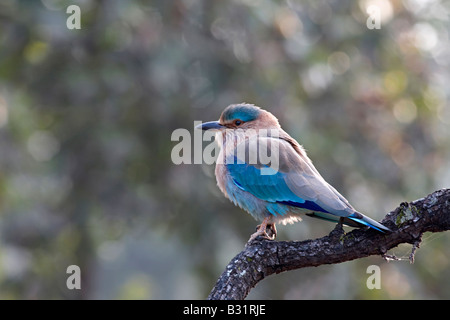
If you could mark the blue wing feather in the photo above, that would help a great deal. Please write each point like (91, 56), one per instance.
(271, 188)
(266, 187)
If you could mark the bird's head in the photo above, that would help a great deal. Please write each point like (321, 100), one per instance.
(242, 116)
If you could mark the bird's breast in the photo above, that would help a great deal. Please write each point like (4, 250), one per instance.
(222, 177)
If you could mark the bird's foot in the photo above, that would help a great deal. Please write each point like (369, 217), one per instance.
(260, 233)
(266, 230)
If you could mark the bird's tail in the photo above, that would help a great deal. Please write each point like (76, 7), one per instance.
(363, 220)
(354, 220)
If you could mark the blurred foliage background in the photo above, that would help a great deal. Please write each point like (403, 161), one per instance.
(86, 118)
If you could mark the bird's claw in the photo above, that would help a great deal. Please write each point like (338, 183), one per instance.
(267, 231)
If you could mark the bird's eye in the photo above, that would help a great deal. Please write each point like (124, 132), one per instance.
(237, 122)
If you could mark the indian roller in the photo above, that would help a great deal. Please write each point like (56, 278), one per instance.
(282, 190)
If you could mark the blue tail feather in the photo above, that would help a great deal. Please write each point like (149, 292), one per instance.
(362, 219)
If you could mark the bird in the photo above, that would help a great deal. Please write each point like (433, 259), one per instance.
(282, 190)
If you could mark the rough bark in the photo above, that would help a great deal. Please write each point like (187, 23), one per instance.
(261, 258)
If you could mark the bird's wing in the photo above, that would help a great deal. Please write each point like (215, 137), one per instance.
(289, 179)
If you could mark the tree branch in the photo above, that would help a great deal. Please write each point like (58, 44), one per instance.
(261, 258)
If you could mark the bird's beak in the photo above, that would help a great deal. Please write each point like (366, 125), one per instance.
(211, 125)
